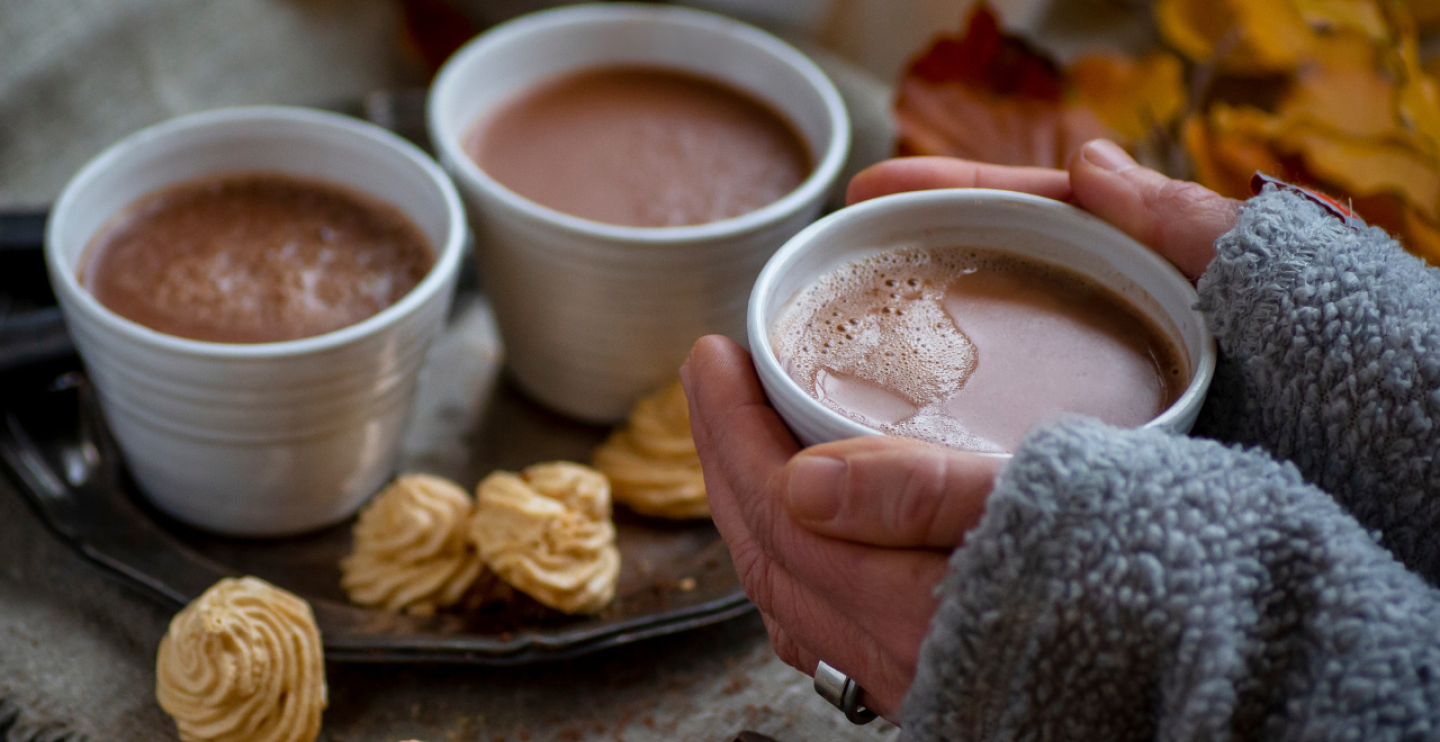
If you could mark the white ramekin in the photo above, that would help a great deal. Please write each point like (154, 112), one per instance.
(595, 315)
(272, 438)
(1012, 222)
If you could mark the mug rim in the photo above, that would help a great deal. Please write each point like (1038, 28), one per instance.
(822, 176)
(768, 364)
(447, 257)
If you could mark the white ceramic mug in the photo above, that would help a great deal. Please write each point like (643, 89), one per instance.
(595, 315)
(1017, 223)
(261, 439)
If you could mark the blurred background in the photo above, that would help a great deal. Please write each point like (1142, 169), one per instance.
(77, 75)
(1337, 94)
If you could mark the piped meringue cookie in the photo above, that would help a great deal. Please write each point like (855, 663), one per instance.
(412, 550)
(547, 532)
(243, 663)
(651, 461)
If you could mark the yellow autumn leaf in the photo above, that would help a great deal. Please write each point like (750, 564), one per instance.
(1364, 16)
(1420, 110)
(1274, 33)
(1243, 35)
(1247, 121)
(1421, 237)
(1226, 156)
(1367, 168)
(1194, 27)
(1132, 96)
(1418, 97)
(1344, 89)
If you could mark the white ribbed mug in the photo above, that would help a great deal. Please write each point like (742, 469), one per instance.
(595, 315)
(262, 439)
(1015, 223)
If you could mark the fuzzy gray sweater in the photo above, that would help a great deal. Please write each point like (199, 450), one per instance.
(1132, 585)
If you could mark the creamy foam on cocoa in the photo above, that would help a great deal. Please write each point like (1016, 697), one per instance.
(970, 348)
(641, 146)
(254, 258)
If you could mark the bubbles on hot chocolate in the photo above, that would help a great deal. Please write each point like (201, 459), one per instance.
(970, 347)
(254, 257)
(881, 320)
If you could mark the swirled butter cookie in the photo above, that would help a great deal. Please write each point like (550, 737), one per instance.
(243, 663)
(547, 532)
(651, 461)
(412, 549)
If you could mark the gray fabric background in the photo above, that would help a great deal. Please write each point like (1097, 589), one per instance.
(76, 650)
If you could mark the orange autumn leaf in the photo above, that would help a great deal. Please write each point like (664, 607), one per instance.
(1396, 217)
(1251, 36)
(1421, 236)
(956, 121)
(1229, 146)
(1367, 167)
(1132, 97)
(1232, 140)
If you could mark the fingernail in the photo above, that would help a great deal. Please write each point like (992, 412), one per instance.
(1107, 155)
(685, 377)
(816, 487)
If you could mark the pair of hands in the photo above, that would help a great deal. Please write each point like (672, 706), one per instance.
(841, 545)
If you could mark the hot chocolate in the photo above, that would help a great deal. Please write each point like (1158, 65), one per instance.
(641, 147)
(970, 348)
(254, 258)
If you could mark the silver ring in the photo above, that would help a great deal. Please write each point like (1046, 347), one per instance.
(842, 693)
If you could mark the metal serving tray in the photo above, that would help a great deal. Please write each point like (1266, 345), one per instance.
(55, 447)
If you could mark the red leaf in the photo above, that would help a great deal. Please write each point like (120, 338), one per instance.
(987, 59)
(990, 97)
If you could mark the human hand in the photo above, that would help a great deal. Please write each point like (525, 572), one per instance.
(840, 545)
(1175, 218)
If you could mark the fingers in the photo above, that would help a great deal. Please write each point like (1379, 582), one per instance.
(863, 609)
(1178, 219)
(806, 580)
(789, 651)
(929, 173)
(741, 439)
(891, 492)
(883, 701)
(882, 682)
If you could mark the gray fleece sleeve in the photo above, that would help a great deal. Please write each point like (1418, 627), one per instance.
(1131, 585)
(1330, 358)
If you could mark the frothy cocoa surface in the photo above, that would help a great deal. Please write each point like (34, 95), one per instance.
(970, 348)
(641, 147)
(254, 258)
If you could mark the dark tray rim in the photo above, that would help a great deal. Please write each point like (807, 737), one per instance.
(59, 505)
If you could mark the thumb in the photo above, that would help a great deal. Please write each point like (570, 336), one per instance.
(1178, 219)
(888, 491)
